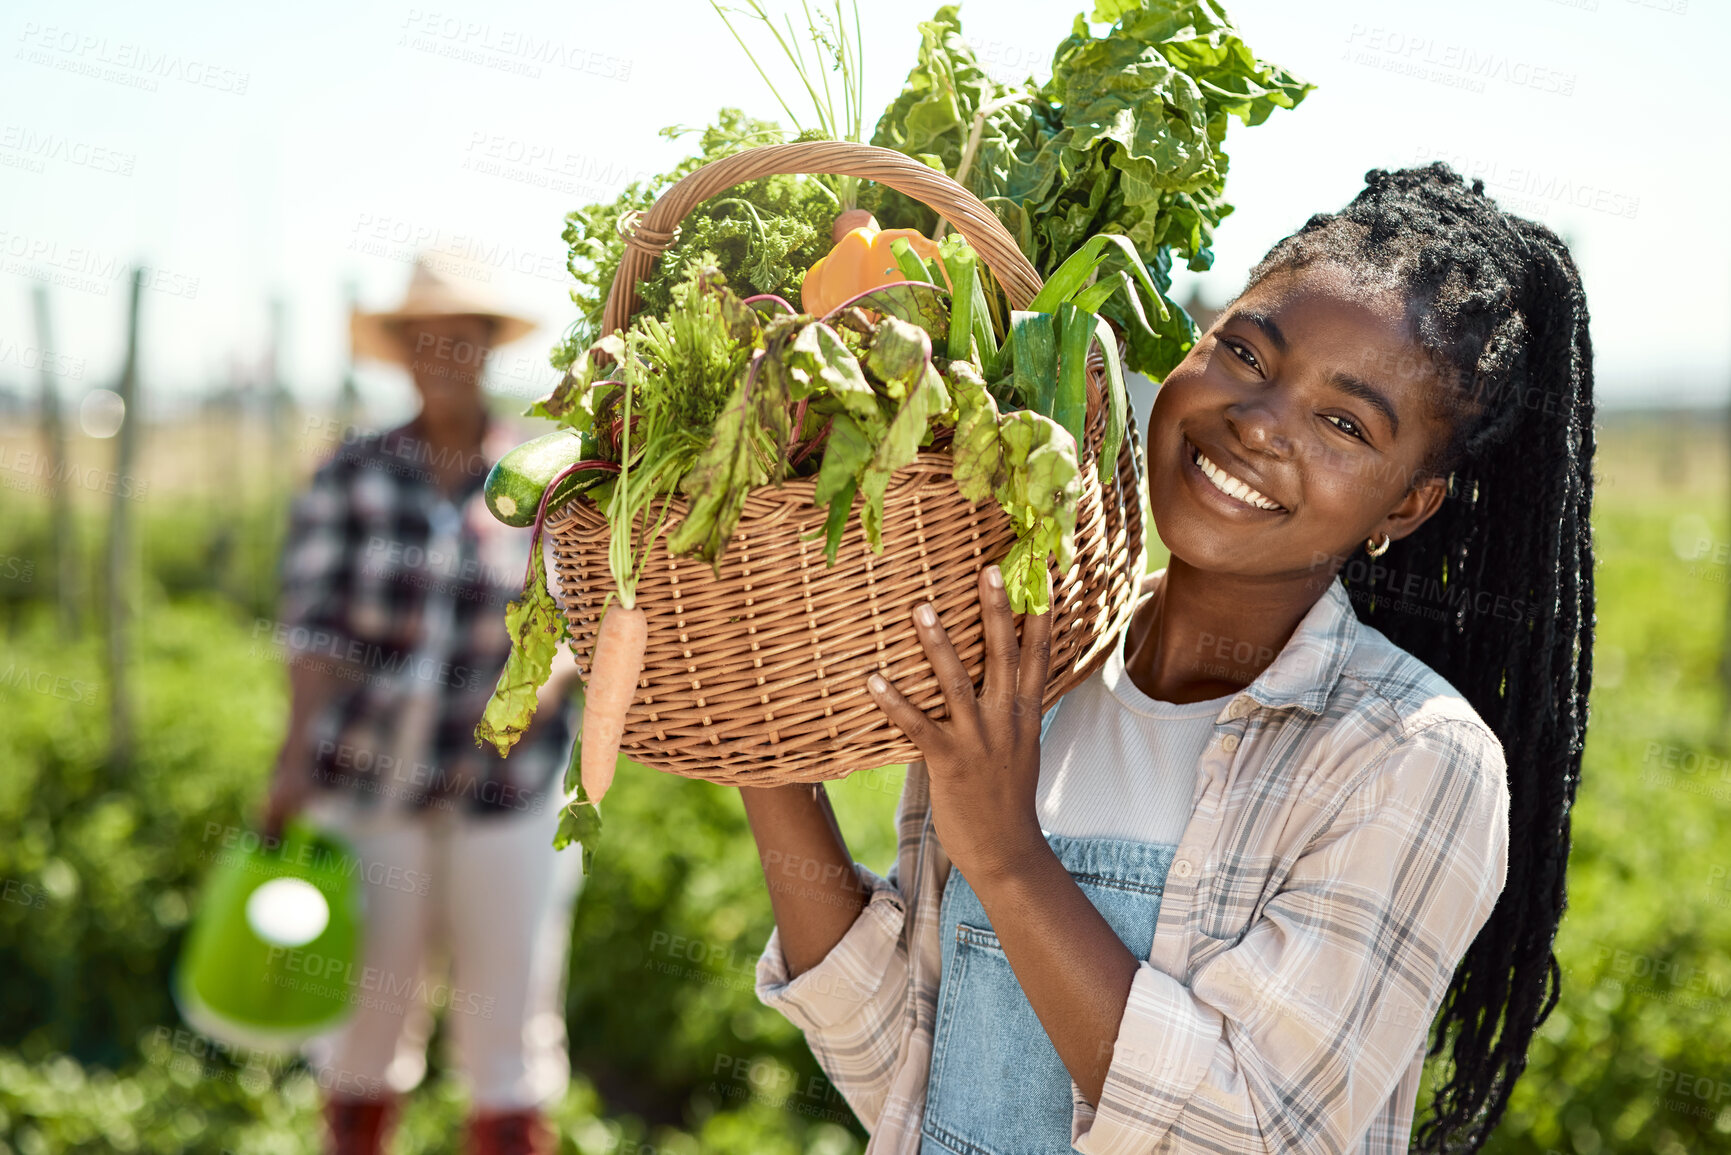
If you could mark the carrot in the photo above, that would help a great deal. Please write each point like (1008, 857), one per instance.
(612, 686)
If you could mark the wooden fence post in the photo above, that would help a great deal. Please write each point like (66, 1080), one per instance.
(349, 397)
(122, 573)
(61, 528)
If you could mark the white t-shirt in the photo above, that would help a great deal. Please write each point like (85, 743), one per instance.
(1115, 763)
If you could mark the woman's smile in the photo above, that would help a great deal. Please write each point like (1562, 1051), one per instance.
(1226, 484)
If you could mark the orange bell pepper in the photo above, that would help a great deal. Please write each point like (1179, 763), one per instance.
(861, 260)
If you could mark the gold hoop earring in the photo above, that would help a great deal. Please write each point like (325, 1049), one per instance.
(1378, 550)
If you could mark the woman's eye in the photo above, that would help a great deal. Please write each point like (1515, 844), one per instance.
(1345, 423)
(1243, 353)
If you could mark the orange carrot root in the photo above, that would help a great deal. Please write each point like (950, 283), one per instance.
(619, 647)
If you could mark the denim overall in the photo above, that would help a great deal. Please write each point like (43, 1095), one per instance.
(997, 1086)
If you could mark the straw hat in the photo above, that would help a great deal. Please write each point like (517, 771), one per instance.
(432, 292)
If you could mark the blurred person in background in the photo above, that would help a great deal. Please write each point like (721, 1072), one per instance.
(395, 577)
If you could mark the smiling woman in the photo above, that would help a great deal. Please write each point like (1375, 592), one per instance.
(1497, 341)
(1217, 899)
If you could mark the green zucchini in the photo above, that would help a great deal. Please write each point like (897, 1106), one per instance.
(515, 484)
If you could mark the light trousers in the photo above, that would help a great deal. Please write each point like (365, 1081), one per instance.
(468, 915)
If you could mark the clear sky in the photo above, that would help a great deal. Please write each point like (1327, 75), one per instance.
(246, 151)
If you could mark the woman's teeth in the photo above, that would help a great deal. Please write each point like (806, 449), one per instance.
(1231, 486)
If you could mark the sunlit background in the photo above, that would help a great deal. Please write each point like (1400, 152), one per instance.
(250, 155)
(266, 167)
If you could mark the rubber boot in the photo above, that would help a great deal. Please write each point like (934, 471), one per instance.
(358, 1126)
(510, 1133)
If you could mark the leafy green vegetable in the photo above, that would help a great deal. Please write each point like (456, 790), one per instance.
(677, 372)
(819, 363)
(1080, 266)
(762, 236)
(581, 820)
(822, 368)
(846, 455)
(1033, 346)
(922, 304)
(1125, 138)
(961, 266)
(723, 474)
(1076, 330)
(930, 120)
(1040, 491)
(536, 628)
(976, 450)
(901, 357)
(911, 264)
(898, 355)
(1117, 402)
(697, 352)
(746, 449)
(572, 401)
(1029, 463)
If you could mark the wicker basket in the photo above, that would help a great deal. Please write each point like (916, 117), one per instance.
(756, 677)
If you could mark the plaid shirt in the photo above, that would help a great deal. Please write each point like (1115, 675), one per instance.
(402, 594)
(1348, 839)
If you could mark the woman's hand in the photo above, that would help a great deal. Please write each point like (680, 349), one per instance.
(984, 760)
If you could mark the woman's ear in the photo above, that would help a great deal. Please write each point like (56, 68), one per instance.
(1413, 510)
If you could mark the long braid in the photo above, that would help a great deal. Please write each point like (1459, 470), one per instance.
(1496, 305)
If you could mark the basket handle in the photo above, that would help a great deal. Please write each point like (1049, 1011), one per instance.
(654, 230)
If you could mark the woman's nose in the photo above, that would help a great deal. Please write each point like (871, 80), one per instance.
(1259, 427)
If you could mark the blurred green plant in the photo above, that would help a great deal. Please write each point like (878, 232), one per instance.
(101, 874)
(1637, 1056)
(98, 877)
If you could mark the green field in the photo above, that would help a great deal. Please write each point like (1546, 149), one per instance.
(100, 863)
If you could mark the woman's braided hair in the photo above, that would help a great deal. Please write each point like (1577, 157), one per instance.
(1496, 307)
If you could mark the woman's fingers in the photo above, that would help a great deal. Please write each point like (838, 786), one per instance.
(999, 691)
(909, 719)
(1035, 662)
(953, 679)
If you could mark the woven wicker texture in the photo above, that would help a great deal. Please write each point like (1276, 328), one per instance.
(655, 229)
(755, 674)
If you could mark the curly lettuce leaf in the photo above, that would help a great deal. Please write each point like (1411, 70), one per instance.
(934, 111)
(763, 235)
(1162, 133)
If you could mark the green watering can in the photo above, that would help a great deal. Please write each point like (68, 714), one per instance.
(272, 959)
